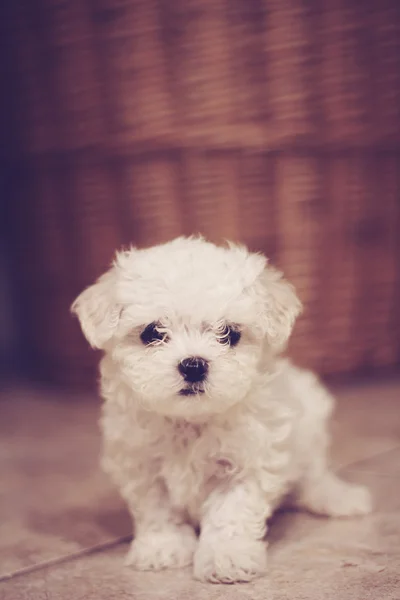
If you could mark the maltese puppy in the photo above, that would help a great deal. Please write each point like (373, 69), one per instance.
(203, 424)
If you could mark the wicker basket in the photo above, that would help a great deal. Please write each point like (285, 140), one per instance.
(273, 122)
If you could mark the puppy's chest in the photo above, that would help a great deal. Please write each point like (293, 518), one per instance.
(183, 435)
(197, 447)
(193, 460)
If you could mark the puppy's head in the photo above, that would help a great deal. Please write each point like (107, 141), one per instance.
(188, 324)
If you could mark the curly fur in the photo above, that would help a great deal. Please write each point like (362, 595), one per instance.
(225, 458)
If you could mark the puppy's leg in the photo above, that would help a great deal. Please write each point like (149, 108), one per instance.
(231, 546)
(324, 493)
(320, 491)
(162, 537)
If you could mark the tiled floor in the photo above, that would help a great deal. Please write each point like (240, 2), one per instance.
(55, 504)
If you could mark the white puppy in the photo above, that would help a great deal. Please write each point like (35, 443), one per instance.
(202, 423)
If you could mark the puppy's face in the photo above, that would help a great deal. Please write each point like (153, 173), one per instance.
(187, 324)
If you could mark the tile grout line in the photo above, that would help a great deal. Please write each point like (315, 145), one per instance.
(359, 461)
(375, 473)
(66, 558)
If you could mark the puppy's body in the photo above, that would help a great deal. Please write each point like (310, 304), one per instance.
(272, 436)
(202, 423)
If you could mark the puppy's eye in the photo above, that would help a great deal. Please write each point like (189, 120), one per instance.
(230, 334)
(153, 333)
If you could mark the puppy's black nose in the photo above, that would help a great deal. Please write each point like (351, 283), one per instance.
(193, 369)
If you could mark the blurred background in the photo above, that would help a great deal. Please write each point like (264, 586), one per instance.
(271, 122)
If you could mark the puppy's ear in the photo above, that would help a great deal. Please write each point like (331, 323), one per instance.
(281, 307)
(97, 311)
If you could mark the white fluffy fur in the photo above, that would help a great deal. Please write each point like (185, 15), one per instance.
(224, 459)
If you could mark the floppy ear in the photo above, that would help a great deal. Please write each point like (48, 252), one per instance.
(97, 311)
(281, 307)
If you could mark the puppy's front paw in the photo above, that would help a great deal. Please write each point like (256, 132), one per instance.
(164, 549)
(230, 560)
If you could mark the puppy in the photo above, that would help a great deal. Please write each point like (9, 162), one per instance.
(203, 424)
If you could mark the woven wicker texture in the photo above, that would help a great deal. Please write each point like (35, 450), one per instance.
(272, 122)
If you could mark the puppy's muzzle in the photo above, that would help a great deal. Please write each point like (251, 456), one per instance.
(193, 369)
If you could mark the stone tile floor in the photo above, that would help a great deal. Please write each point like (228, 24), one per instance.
(58, 509)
